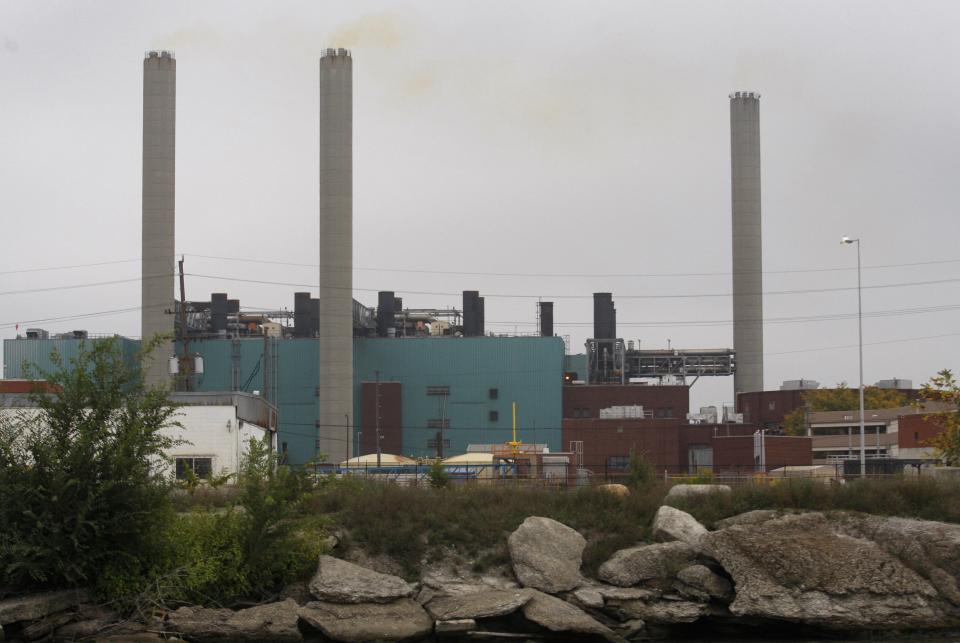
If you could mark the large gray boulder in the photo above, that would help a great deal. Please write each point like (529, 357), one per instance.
(826, 572)
(357, 623)
(35, 606)
(486, 603)
(558, 615)
(546, 555)
(690, 490)
(636, 564)
(270, 622)
(671, 524)
(339, 581)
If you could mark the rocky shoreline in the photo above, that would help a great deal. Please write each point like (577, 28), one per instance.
(762, 574)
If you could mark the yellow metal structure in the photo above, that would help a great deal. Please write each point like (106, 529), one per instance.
(513, 447)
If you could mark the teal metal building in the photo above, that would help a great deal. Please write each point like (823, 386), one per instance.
(525, 370)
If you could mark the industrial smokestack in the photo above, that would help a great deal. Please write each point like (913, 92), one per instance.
(604, 316)
(157, 223)
(385, 312)
(747, 246)
(335, 390)
(546, 318)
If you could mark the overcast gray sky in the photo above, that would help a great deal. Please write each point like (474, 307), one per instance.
(553, 138)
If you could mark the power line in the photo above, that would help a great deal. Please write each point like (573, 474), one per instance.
(71, 267)
(801, 291)
(846, 346)
(86, 285)
(577, 275)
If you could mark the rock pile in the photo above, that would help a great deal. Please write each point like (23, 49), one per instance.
(834, 574)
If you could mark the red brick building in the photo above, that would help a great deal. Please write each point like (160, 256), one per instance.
(658, 402)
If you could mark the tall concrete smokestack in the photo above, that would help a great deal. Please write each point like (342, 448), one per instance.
(747, 241)
(335, 389)
(157, 235)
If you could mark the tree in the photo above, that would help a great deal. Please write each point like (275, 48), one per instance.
(840, 398)
(82, 475)
(944, 388)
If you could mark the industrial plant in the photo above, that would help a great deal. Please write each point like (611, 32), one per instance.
(347, 379)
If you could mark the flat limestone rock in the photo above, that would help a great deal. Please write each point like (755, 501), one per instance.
(546, 555)
(458, 626)
(361, 622)
(630, 566)
(557, 615)
(482, 604)
(36, 606)
(339, 581)
(664, 612)
(701, 577)
(748, 518)
(671, 524)
(804, 568)
(269, 622)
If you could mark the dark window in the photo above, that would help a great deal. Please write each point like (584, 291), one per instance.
(772, 406)
(618, 461)
(438, 390)
(494, 416)
(200, 466)
(435, 423)
(585, 413)
(663, 413)
(916, 436)
(494, 393)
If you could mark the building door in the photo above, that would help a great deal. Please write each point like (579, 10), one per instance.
(700, 458)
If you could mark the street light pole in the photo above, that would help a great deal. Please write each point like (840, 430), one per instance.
(863, 444)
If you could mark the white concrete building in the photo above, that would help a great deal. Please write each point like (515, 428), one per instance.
(215, 429)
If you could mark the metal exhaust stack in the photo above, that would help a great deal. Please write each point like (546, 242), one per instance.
(747, 241)
(157, 223)
(335, 317)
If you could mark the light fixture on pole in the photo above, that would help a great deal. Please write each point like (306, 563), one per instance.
(863, 447)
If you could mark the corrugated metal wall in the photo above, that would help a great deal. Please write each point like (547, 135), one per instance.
(526, 370)
(37, 352)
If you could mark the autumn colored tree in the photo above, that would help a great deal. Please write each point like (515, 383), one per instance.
(944, 388)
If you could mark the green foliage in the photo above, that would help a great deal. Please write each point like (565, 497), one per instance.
(220, 557)
(409, 524)
(944, 388)
(271, 497)
(438, 476)
(79, 487)
(640, 472)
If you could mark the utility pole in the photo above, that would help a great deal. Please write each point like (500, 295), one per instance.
(186, 366)
(377, 387)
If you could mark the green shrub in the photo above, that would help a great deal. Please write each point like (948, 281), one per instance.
(640, 472)
(438, 476)
(79, 487)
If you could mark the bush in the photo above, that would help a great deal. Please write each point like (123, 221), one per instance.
(438, 476)
(223, 557)
(639, 471)
(79, 487)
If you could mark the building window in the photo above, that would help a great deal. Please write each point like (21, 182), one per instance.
(494, 393)
(916, 436)
(663, 414)
(585, 413)
(438, 390)
(202, 467)
(772, 406)
(494, 416)
(618, 461)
